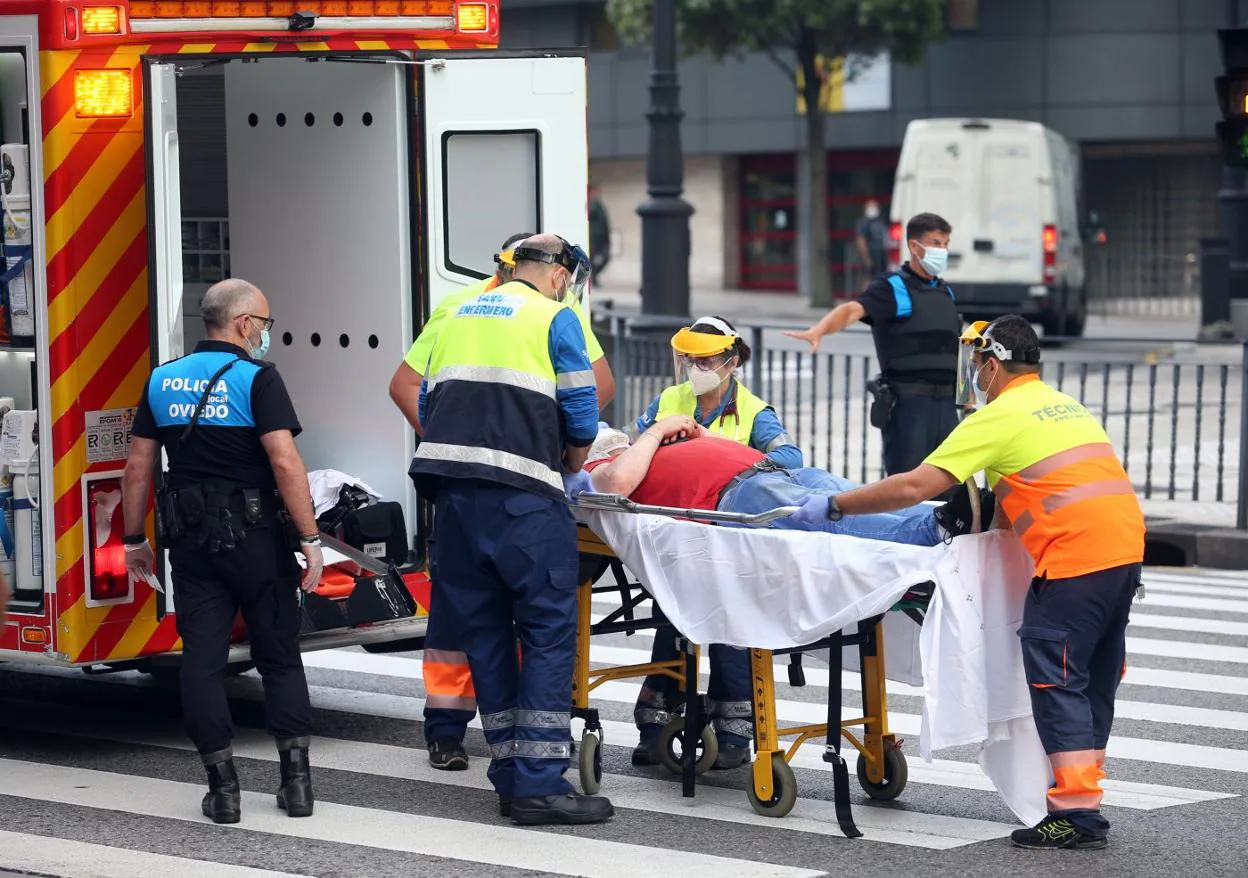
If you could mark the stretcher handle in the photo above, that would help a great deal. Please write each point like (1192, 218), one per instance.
(619, 503)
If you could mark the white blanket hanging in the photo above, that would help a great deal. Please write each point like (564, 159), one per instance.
(780, 589)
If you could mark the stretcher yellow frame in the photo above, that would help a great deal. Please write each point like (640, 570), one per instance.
(881, 769)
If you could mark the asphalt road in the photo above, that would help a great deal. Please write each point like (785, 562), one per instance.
(98, 781)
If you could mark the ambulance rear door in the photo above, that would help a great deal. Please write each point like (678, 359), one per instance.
(506, 151)
(165, 233)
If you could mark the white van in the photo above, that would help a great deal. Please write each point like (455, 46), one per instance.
(1012, 192)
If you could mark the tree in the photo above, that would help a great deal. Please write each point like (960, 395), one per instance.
(807, 39)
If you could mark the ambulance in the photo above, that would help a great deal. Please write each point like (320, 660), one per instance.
(375, 155)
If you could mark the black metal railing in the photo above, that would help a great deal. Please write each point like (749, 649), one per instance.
(1174, 412)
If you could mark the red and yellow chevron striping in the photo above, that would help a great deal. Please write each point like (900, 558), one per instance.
(97, 246)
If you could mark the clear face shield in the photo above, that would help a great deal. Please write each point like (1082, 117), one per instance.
(702, 359)
(578, 283)
(975, 342)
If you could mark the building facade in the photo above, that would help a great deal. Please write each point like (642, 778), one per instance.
(1131, 81)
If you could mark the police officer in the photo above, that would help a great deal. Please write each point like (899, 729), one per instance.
(509, 408)
(450, 698)
(1059, 484)
(228, 426)
(915, 323)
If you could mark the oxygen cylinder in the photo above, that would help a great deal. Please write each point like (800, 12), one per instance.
(7, 556)
(15, 212)
(20, 453)
(27, 531)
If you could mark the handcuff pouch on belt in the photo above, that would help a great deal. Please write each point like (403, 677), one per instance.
(882, 402)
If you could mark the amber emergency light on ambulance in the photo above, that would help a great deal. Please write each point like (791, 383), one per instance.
(375, 153)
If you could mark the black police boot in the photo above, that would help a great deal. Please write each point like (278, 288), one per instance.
(223, 801)
(504, 806)
(570, 809)
(295, 797)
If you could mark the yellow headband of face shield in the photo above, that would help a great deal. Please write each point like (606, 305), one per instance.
(506, 257)
(975, 337)
(701, 344)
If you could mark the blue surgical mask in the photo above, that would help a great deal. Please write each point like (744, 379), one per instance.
(935, 260)
(259, 352)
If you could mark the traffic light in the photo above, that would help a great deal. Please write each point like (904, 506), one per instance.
(1232, 91)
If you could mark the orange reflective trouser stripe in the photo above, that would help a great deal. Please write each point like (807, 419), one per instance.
(448, 680)
(1077, 780)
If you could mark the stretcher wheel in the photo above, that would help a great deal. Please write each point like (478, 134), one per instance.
(896, 773)
(589, 761)
(675, 731)
(783, 782)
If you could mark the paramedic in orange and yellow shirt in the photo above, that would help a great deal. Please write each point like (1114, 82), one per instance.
(1058, 483)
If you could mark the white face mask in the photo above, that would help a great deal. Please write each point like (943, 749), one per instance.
(703, 380)
(981, 393)
(872, 212)
(934, 260)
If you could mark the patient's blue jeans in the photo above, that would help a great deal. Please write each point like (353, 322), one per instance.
(764, 491)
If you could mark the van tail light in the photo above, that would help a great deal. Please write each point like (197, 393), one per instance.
(894, 244)
(1050, 254)
(108, 582)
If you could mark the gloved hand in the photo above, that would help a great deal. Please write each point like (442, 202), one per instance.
(813, 512)
(577, 482)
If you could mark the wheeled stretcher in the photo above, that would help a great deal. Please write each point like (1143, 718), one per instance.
(881, 766)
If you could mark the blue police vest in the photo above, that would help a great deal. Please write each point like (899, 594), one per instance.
(175, 388)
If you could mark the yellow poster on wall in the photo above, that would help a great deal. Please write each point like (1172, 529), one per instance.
(859, 84)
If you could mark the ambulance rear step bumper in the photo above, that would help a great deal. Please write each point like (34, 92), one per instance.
(411, 628)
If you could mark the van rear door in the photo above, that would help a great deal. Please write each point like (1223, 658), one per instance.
(507, 152)
(1014, 184)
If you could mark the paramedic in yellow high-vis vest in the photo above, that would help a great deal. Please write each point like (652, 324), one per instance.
(706, 356)
(450, 698)
(405, 385)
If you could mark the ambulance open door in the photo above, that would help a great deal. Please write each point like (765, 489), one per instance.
(165, 235)
(506, 141)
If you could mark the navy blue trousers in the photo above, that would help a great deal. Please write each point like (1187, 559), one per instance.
(1074, 646)
(918, 424)
(731, 707)
(506, 564)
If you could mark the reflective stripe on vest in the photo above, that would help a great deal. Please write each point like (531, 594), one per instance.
(1072, 509)
(680, 399)
(922, 341)
(491, 409)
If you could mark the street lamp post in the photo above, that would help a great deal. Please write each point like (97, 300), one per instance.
(665, 214)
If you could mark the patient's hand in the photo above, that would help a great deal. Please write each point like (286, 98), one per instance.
(678, 427)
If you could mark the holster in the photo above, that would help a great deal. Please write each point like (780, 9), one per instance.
(169, 524)
(882, 402)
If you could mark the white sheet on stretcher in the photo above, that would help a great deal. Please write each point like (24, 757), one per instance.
(780, 589)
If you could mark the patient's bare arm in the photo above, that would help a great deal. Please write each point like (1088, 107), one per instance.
(623, 474)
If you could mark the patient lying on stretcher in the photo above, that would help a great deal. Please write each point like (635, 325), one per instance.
(692, 468)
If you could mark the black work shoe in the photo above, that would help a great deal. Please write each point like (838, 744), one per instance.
(957, 517)
(1056, 833)
(223, 801)
(567, 810)
(646, 753)
(504, 807)
(295, 797)
(731, 757)
(448, 754)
